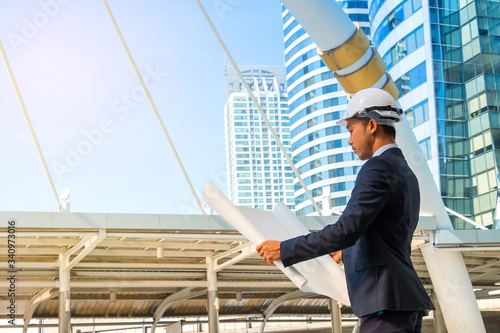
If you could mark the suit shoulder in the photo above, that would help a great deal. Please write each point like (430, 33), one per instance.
(378, 162)
(378, 168)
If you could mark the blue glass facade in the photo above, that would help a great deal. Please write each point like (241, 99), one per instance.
(316, 100)
(451, 98)
(444, 57)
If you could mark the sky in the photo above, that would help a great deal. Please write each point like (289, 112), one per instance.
(98, 134)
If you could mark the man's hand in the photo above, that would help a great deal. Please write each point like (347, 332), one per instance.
(269, 251)
(337, 256)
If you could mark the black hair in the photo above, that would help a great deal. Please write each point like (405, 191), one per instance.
(388, 130)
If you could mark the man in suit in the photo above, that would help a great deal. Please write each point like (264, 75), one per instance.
(376, 228)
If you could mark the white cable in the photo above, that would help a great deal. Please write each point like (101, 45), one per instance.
(477, 225)
(30, 126)
(153, 106)
(259, 108)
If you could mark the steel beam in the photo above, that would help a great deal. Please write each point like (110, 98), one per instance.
(123, 243)
(147, 284)
(212, 299)
(64, 295)
(454, 290)
(245, 251)
(336, 316)
(439, 326)
(42, 296)
(167, 302)
(278, 301)
(84, 247)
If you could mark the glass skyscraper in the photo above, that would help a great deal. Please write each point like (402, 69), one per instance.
(259, 176)
(316, 100)
(444, 57)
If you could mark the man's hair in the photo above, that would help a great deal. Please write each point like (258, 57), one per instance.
(388, 130)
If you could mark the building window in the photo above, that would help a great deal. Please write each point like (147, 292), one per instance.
(418, 114)
(425, 145)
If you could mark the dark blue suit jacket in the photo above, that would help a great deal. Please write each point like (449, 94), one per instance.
(375, 233)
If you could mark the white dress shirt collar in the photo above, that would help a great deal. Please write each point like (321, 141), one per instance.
(384, 148)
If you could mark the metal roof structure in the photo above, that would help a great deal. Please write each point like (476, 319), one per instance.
(161, 269)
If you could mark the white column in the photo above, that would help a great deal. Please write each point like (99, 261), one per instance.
(64, 295)
(213, 298)
(439, 326)
(356, 327)
(454, 290)
(88, 243)
(336, 316)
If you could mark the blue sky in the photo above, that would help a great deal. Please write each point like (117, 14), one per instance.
(99, 136)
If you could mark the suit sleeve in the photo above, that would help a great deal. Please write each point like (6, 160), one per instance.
(368, 198)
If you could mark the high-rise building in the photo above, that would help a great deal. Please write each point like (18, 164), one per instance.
(444, 56)
(316, 100)
(258, 174)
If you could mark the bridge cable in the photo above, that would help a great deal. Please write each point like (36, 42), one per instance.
(259, 108)
(30, 125)
(153, 106)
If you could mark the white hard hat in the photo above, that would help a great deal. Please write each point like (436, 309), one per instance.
(375, 104)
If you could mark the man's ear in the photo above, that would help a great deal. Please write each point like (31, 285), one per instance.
(372, 126)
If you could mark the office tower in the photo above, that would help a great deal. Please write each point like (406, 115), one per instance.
(445, 58)
(258, 173)
(316, 100)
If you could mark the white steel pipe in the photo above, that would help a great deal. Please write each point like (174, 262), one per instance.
(439, 325)
(64, 294)
(474, 223)
(336, 316)
(153, 105)
(466, 249)
(152, 284)
(431, 202)
(325, 21)
(454, 290)
(445, 267)
(29, 124)
(342, 45)
(310, 14)
(200, 267)
(212, 297)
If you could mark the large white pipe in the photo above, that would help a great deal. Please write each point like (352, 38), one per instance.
(454, 290)
(431, 202)
(342, 45)
(323, 16)
(325, 22)
(445, 267)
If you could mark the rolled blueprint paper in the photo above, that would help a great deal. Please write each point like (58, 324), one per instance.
(286, 217)
(236, 217)
(321, 275)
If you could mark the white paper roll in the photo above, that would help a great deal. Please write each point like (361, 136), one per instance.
(321, 275)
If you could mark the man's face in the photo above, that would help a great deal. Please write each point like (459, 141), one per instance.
(361, 138)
